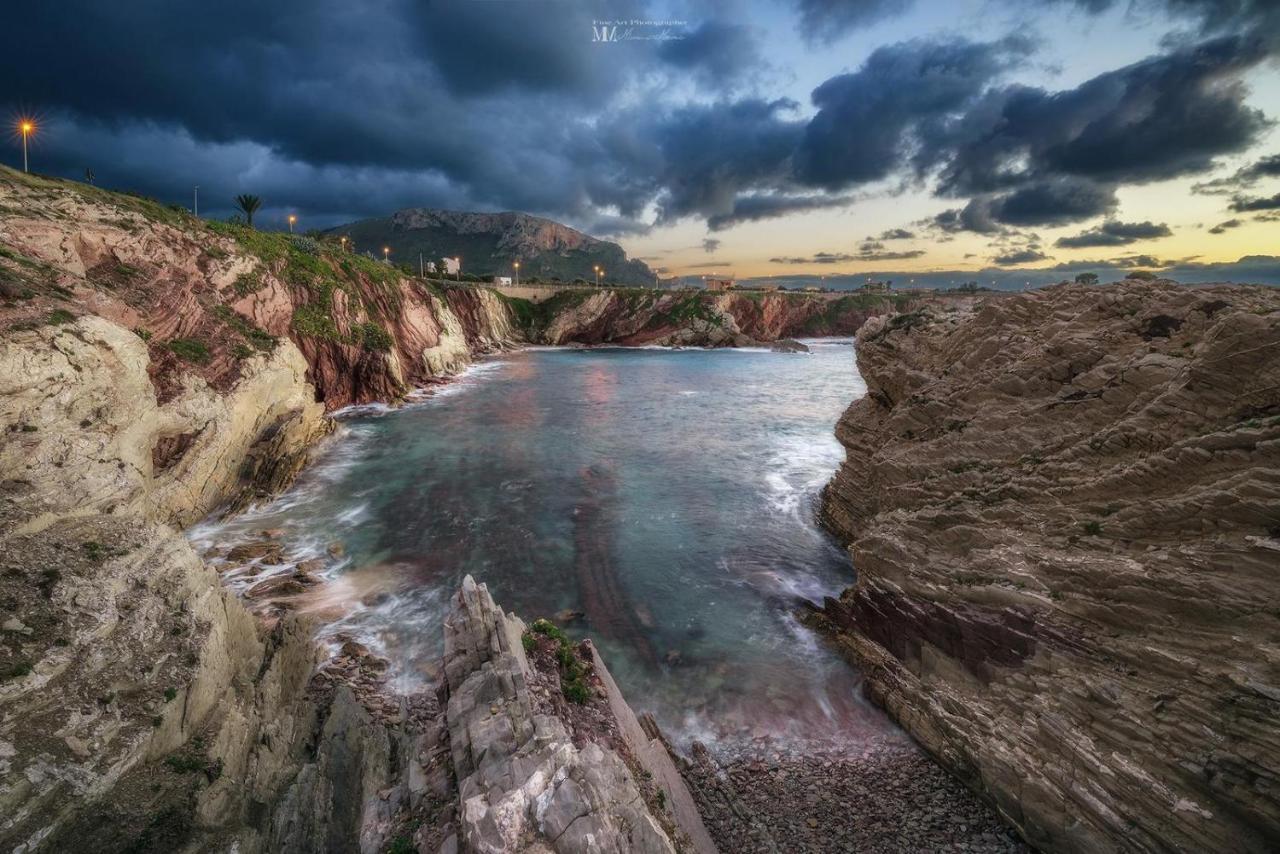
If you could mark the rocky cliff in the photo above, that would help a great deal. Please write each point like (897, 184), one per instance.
(632, 317)
(1064, 513)
(154, 368)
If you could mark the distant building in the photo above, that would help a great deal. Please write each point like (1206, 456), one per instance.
(719, 284)
(502, 280)
(768, 288)
(877, 287)
(451, 266)
(431, 266)
(812, 289)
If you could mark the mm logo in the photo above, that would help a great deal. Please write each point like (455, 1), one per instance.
(604, 34)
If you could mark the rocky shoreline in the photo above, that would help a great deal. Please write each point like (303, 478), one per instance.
(1063, 513)
(885, 796)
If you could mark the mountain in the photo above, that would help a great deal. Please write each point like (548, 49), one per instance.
(490, 243)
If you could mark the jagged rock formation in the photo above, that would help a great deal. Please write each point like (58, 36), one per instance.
(489, 243)
(1064, 512)
(525, 783)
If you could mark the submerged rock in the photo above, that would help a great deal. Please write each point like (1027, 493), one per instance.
(788, 345)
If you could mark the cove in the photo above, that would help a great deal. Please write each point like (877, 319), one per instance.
(661, 502)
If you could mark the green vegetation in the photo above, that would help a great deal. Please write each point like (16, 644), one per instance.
(372, 336)
(16, 670)
(170, 694)
(573, 674)
(1087, 279)
(1142, 276)
(190, 350)
(1092, 528)
(249, 205)
(313, 321)
(258, 338)
(248, 283)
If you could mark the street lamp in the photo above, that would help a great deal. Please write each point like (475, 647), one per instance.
(517, 272)
(26, 127)
(343, 241)
(292, 220)
(386, 254)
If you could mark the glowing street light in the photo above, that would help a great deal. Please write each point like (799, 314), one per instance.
(596, 267)
(292, 219)
(386, 254)
(343, 241)
(26, 127)
(517, 272)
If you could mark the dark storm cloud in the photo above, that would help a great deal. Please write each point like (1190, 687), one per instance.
(1256, 203)
(458, 104)
(1245, 177)
(891, 255)
(341, 110)
(756, 207)
(1161, 118)
(1210, 15)
(828, 20)
(1115, 233)
(897, 234)
(1224, 227)
(857, 135)
(719, 52)
(819, 258)
(1020, 256)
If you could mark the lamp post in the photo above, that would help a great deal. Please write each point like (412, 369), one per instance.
(386, 254)
(343, 241)
(195, 200)
(27, 127)
(517, 273)
(459, 260)
(292, 220)
(596, 267)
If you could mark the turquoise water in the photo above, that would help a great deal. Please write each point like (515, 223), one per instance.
(668, 496)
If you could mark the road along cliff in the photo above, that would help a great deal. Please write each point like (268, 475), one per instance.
(1063, 509)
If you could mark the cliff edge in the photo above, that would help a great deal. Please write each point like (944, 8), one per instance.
(1064, 512)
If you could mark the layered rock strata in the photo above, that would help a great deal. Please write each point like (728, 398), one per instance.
(1064, 513)
(525, 782)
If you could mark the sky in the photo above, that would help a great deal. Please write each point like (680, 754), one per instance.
(930, 141)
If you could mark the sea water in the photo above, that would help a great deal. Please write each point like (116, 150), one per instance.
(667, 496)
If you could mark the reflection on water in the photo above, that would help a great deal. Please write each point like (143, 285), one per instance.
(666, 496)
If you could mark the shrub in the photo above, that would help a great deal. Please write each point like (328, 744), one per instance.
(372, 336)
(59, 316)
(1093, 527)
(15, 671)
(1142, 276)
(190, 350)
(305, 244)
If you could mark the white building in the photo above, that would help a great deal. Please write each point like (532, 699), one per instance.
(502, 280)
(451, 266)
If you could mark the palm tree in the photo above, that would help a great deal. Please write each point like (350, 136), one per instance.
(248, 204)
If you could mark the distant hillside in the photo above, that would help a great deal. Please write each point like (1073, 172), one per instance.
(491, 243)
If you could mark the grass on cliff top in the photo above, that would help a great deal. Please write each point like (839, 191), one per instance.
(573, 673)
(44, 186)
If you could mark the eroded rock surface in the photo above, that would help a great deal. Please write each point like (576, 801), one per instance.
(525, 784)
(1064, 513)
